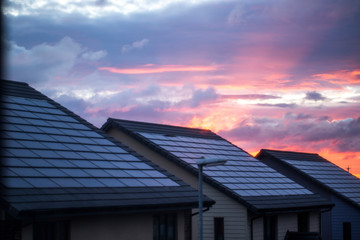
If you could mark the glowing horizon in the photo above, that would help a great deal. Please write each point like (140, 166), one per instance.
(151, 68)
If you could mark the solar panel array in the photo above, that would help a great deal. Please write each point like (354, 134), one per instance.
(45, 147)
(330, 175)
(242, 174)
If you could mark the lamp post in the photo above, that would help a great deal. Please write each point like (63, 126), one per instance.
(201, 163)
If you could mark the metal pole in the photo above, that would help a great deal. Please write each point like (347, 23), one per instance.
(200, 203)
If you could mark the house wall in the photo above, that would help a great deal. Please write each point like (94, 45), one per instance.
(258, 229)
(114, 227)
(323, 223)
(235, 214)
(344, 212)
(286, 222)
(27, 233)
(326, 232)
(315, 221)
(137, 226)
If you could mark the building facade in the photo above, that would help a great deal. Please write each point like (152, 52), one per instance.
(328, 180)
(253, 201)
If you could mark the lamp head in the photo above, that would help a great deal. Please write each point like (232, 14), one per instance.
(210, 161)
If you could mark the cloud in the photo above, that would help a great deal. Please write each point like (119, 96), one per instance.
(315, 96)
(94, 56)
(42, 62)
(280, 105)
(151, 68)
(152, 101)
(135, 45)
(250, 96)
(50, 62)
(242, 12)
(200, 96)
(91, 9)
(342, 76)
(299, 130)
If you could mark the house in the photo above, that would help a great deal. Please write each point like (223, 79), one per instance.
(253, 201)
(328, 180)
(62, 178)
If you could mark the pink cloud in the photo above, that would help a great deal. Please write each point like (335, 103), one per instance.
(340, 76)
(150, 68)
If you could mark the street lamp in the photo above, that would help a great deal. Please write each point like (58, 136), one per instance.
(201, 163)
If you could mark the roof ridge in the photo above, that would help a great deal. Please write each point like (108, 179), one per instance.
(159, 124)
(287, 151)
(15, 82)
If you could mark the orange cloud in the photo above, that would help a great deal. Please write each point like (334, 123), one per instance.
(151, 68)
(341, 76)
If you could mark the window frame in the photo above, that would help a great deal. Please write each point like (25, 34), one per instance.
(346, 230)
(51, 230)
(165, 226)
(219, 228)
(271, 227)
(303, 222)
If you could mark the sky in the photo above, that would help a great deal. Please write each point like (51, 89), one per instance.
(273, 74)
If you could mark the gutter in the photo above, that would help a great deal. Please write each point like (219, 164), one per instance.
(204, 210)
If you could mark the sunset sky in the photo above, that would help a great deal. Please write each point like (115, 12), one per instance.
(277, 74)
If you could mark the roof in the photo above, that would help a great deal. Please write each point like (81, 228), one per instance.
(321, 171)
(53, 160)
(243, 177)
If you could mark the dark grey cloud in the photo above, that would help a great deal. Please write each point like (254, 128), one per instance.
(315, 96)
(280, 105)
(201, 96)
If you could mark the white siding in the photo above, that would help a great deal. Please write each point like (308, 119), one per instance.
(112, 227)
(286, 222)
(235, 214)
(258, 229)
(314, 222)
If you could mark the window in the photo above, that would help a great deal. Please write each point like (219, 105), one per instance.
(303, 222)
(219, 228)
(270, 227)
(346, 230)
(164, 227)
(59, 230)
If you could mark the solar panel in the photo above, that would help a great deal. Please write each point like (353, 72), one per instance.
(41, 182)
(117, 173)
(67, 182)
(330, 175)
(132, 183)
(241, 167)
(111, 182)
(27, 172)
(76, 172)
(47, 148)
(16, 183)
(97, 173)
(90, 182)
